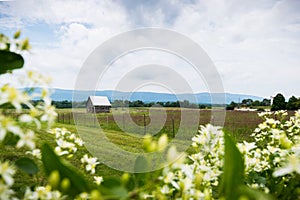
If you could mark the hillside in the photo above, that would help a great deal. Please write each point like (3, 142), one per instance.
(201, 98)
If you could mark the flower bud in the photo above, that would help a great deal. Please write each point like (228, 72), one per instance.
(65, 184)
(284, 141)
(17, 34)
(125, 178)
(54, 179)
(95, 195)
(162, 142)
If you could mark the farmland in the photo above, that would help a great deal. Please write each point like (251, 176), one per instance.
(239, 123)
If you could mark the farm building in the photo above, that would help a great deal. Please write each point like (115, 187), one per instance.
(98, 104)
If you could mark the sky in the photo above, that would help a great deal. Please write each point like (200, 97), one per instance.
(254, 45)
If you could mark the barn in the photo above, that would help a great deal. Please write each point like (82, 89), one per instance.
(98, 104)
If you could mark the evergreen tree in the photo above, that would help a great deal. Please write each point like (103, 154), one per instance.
(292, 103)
(278, 102)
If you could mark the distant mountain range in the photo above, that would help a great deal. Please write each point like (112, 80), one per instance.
(201, 98)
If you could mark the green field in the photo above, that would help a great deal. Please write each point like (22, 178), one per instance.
(239, 123)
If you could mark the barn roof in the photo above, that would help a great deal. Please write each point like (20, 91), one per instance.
(99, 101)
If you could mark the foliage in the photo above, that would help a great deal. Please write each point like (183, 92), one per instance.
(293, 103)
(138, 103)
(10, 60)
(249, 103)
(278, 103)
(231, 106)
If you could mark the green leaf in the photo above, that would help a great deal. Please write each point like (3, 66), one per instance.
(10, 61)
(52, 162)
(251, 193)
(233, 176)
(113, 189)
(27, 165)
(141, 164)
(10, 139)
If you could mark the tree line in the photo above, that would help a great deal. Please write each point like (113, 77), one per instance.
(279, 103)
(126, 103)
(139, 103)
(249, 103)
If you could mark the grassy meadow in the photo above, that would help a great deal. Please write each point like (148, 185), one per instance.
(239, 123)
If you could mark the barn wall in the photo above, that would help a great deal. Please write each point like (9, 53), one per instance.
(90, 108)
(100, 109)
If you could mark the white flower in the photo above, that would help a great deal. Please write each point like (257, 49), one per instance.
(83, 196)
(78, 141)
(272, 149)
(91, 163)
(66, 145)
(7, 172)
(60, 152)
(5, 191)
(43, 193)
(6, 125)
(165, 189)
(28, 118)
(12, 95)
(98, 180)
(25, 118)
(26, 140)
(30, 195)
(245, 147)
(49, 115)
(187, 170)
(84, 159)
(37, 78)
(292, 165)
(186, 183)
(35, 152)
(263, 126)
(169, 177)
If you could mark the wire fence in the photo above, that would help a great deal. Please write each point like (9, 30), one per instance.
(238, 123)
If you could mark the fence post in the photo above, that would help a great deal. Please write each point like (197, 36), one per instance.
(145, 128)
(63, 115)
(173, 128)
(123, 122)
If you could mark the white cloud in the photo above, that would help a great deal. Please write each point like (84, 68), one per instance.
(254, 44)
(249, 43)
(80, 27)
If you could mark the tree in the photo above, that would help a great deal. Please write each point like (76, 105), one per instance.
(266, 102)
(256, 103)
(231, 106)
(292, 103)
(278, 103)
(247, 102)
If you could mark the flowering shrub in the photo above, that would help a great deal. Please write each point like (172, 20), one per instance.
(267, 167)
(272, 162)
